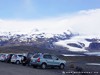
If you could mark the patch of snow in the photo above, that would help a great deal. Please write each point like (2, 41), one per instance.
(74, 49)
(71, 55)
(93, 53)
(98, 64)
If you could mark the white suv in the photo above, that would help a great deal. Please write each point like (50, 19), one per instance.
(16, 58)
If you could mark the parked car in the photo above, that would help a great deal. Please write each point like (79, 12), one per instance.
(16, 58)
(26, 59)
(47, 60)
(3, 57)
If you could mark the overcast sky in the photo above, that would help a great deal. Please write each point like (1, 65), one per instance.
(50, 15)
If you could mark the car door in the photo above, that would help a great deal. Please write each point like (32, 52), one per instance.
(55, 60)
(48, 59)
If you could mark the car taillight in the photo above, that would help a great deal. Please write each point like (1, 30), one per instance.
(38, 60)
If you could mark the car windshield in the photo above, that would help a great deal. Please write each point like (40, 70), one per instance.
(30, 55)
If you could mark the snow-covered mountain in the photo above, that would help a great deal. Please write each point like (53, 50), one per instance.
(34, 38)
(76, 32)
(68, 40)
(65, 40)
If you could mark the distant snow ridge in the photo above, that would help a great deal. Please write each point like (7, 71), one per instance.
(32, 38)
(77, 43)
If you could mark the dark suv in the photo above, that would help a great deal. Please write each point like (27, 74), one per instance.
(26, 59)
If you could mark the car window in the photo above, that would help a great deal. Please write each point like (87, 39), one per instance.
(47, 56)
(20, 55)
(54, 57)
(30, 55)
(14, 56)
(36, 56)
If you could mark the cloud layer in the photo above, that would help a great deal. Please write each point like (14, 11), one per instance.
(84, 21)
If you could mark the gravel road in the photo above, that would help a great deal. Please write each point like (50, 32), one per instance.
(87, 66)
(13, 69)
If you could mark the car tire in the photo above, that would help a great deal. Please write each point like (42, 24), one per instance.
(52, 67)
(12, 62)
(17, 62)
(62, 66)
(44, 66)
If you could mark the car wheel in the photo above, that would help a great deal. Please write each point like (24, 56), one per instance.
(62, 66)
(43, 66)
(52, 67)
(17, 62)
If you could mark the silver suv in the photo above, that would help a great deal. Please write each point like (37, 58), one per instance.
(45, 60)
